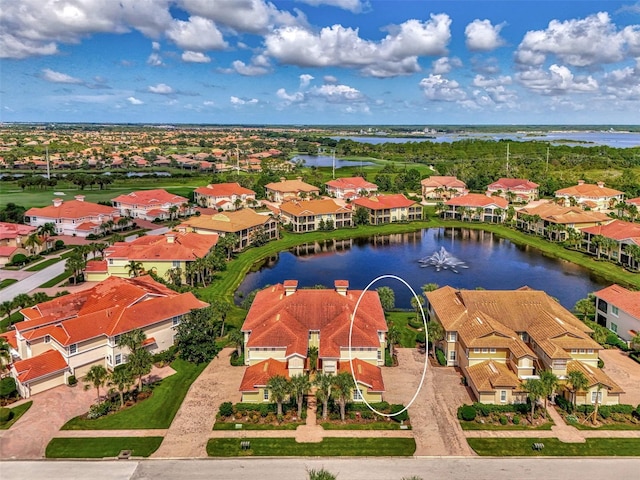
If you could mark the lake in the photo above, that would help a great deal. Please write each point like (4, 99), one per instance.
(493, 263)
(325, 161)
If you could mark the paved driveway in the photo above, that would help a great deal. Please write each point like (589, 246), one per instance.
(433, 414)
(625, 372)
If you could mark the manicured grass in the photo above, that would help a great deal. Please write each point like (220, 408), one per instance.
(56, 280)
(362, 426)
(155, 412)
(612, 426)
(42, 265)
(6, 282)
(255, 426)
(329, 447)
(479, 426)
(594, 447)
(101, 447)
(15, 317)
(17, 413)
(407, 333)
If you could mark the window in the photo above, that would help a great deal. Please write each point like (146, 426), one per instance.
(590, 351)
(485, 350)
(265, 395)
(492, 350)
(453, 336)
(176, 264)
(582, 351)
(109, 360)
(357, 395)
(116, 339)
(602, 305)
(476, 350)
(175, 321)
(47, 338)
(73, 349)
(118, 359)
(503, 396)
(452, 355)
(379, 355)
(614, 310)
(614, 327)
(111, 261)
(593, 397)
(574, 350)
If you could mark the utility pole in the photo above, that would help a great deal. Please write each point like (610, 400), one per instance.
(237, 160)
(46, 149)
(333, 164)
(507, 159)
(546, 170)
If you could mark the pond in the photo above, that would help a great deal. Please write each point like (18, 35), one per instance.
(325, 161)
(492, 263)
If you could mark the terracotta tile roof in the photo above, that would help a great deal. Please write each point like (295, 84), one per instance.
(383, 202)
(477, 200)
(224, 190)
(14, 230)
(228, 222)
(185, 246)
(351, 183)
(46, 363)
(312, 207)
(490, 375)
(626, 300)
(150, 197)
(594, 376)
(442, 181)
(554, 213)
(634, 201)
(512, 184)
(7, 251)
(292, 186)
(96, 266)
(617, 230)
(482, 331)
(72, 209)
(10, 337)
(589, 190)
(87, 226)
(365, 373)
(258, 375)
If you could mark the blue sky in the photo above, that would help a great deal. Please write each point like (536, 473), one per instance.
(320, 61)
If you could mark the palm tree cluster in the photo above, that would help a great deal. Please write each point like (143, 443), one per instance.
(21, 301)
(543, 387)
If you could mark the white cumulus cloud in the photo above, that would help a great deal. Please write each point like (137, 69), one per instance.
(242, 101)
(444, 65)
(355, 6)
(295, 97)
(305, 80)
(195, 57)
(196, 34)
(338, 93)
(161, 89)
(439, 88)
(482, 36)
(558, 80)
(134, 101)
(59, 77)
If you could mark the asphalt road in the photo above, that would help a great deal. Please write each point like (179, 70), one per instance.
(32, 282)
(354, 469)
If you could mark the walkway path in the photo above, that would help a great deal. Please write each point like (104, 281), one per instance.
(31, 282)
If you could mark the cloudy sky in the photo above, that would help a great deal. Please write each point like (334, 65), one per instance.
(320, 61)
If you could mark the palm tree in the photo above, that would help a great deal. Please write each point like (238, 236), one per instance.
(139, 360)
(97, 376)
(121, 378)
(393, 337)
(535, 390)
(172, 211)
(578, 382)
(430, 287)
(6, 308)
(312, 355)
(300, 385)
(416, 303)
(279, 387)
(549, 382)
(31, 242)
(585, 307)
(75, 264)
(220, 309)
(342, 387)
(174, 275)
(598, 242)
(21, 301)
(5, 354)
(596, 403)
(46, 231)
(236, 338)
(435, 334)
(39, 297)
(323, 383)
(134, 268)
(122, 223)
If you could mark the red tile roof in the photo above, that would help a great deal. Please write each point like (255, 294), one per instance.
(150, 197)
(96, 266)
(259, 374)
(224, 190)
(41, 365)
(442, 181)
(13, 230)
(72, 209)
(185, 246)
(365, 373)
(7, 251)
(627, 300)
(312, 207)
(10, 337)
(634, 201)
(383, 202)
(351, 183)
(513, 184)
(477, 200)
(589, 190)
(617, 230)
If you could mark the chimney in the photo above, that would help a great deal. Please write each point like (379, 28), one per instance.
(57, 202)
(79, 198)
(171, 237)
(580, 182)
(290, 287)
(600, 184)
(282, 179)
(299, 179)
(341, 287)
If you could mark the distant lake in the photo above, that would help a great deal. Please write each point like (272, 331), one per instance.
(493, 263)
(587, 139)
(324, 161)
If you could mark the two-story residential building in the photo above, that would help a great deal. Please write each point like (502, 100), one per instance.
(476, 207)
(285, 321)
(68, 335)
(224, 196)
(518, 190)
(618, 309)
(501, 338)
(624, 240)
(350, 188)
(154, 253)
(152, 204)
(595, 197)
(76, 218)
(556, 221)
(389, 208)
(248, 225)
(310, 215)
(290, 190)
(12, 239)
(438, 187)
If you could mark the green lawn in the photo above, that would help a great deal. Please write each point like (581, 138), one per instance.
(407, 333)
(155, 412)
(362, 426)
(612, 426)
(15, 317)
(56, 280)
(329, 447)
(525, 426)
(6, 282)
(101, 447)
(17, 413)
(255, 426)
(594, 447)
(42, 265)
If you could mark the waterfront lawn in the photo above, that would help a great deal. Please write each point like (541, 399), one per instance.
(6, 282)
(401, 320)
(16, 413)
(157, 411)
(594, 447)
(101, 447)
(329, 447)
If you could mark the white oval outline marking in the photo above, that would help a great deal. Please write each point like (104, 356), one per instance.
(426, 356)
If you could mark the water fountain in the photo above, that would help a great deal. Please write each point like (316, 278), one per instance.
(442, 260)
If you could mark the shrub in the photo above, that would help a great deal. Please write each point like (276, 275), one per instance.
(59, 245)
(7, 387)
(19, 259)
(388, 360)
(600, 363)
(404, 416)
(621, 408)
(468, 413)
(503, 420)
(485, 409)
(321, 474)
(99, 410)
(72, 380)
(564, 404)
(516, 420)
(226, 409)
(442, 360)
(5, 414)
(421, 337)
(604, 411)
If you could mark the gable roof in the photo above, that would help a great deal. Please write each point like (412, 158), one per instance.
(291, 186)
(594, 376)
(46, 363)
(477, 200)
(184, 246)
(227, 222)
(618, 230)
(13, 230)
(554, 213)
(383, 202)
(589, 190)
(489, 375)
(313, 207)
(224, 190)
(624, 299)
(150, 197)
(351, 183)
(258, 375)
(442, 181)
(513, 184)
(72, 209)
(367, 374)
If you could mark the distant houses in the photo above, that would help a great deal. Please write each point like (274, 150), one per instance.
(476, 207)
(152, 205)
(13, 237)
(514, 189)
(438, 187)
(310, 215)
(618, 309)
(350, 188)
(554, 221)
(389, 208)
(290, 189)
(224, 196)
(594, 197)
(618, 241)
